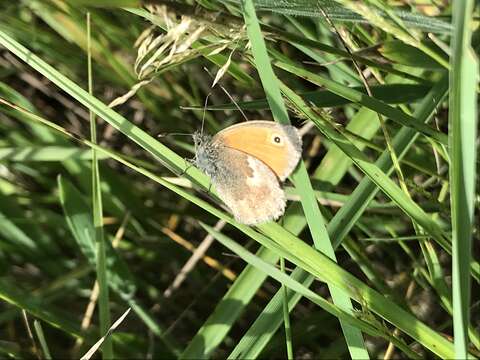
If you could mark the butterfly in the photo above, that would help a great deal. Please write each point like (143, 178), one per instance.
(246, 163)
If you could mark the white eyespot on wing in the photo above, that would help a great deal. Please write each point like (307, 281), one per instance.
(254, 196)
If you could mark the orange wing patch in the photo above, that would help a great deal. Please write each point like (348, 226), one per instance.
(269, 144)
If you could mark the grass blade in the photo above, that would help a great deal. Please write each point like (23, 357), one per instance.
(41, 339)
(353, 336)
(365, 100)
(462, 130)
(228, 310)
(101, 267)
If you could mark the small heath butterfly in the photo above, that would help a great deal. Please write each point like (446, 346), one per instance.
(246, 163)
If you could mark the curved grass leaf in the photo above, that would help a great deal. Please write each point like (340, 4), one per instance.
(358, 97)
(336, 12)
(390, 94)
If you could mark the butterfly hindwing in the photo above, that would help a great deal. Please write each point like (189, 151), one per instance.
(249, 188)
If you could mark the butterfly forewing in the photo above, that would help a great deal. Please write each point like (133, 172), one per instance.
(277, 146)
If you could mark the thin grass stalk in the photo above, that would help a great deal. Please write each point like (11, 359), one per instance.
(462, 131)
(286, 316)
(41, 339)
(101, 266)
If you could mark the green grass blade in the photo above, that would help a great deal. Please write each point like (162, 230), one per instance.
(97, 207)
(286, 316)
(462, 130)
(298, 287)
(343, 14)
(228, 310)
(45, 153)
(41, 339)
(356, 96)
(310, 207)
(389, 93)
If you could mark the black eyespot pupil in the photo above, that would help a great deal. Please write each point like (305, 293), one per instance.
(277, 139)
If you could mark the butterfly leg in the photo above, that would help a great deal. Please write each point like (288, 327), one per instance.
(188, 164)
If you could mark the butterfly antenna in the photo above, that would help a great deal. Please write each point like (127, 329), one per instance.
(229, 96)
(204, 112)
(173, 134)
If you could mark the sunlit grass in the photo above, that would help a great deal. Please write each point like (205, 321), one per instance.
(371, 262)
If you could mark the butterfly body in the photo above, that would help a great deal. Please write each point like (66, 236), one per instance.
(245, 163)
